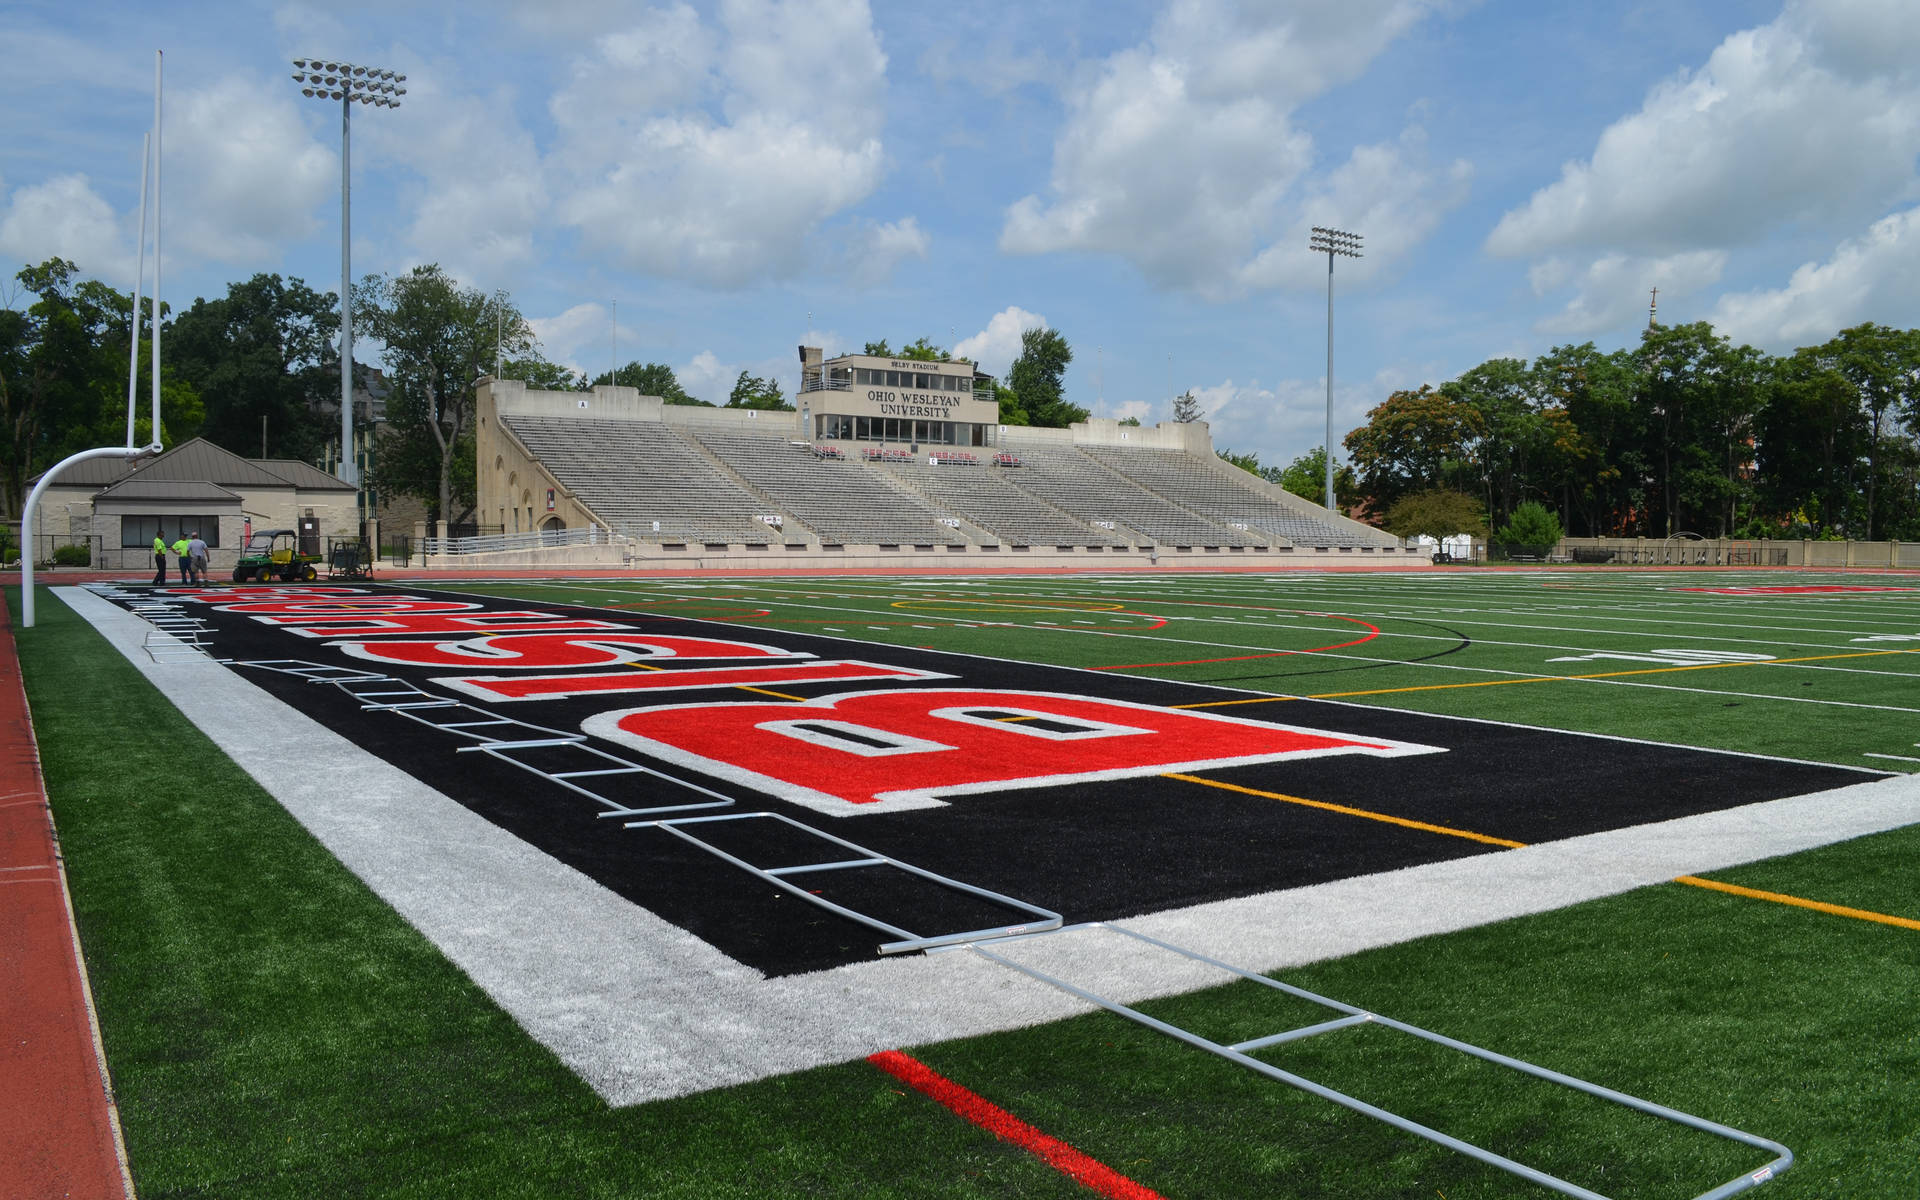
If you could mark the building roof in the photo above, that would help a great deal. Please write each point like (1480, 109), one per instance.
(170, 491)
(200, 461)
(304, 476)
(90, 472)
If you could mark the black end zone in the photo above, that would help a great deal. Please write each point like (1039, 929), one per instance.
(1089, 850)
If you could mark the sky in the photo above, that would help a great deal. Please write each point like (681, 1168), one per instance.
(713, 184)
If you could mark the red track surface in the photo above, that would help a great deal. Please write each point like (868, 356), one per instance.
(58, 1136)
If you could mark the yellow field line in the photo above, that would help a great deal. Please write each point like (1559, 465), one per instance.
(1351, 812)
(1858, 914)
(1480, 683)
(1837, 910)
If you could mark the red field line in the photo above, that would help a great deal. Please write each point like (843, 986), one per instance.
(989, 1116)
(58, 1131)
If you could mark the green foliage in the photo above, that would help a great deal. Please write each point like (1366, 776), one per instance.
(1131, 421)
(1438, 513)
(751, 391)
(652, 379)
(1035, 378)
(1686, 432)
(923, 350)
(72, 555)
(878, 349)
(1011, 413)
(1532, 524)
(1306, 476)
(1250, 463)
(266, 352)
(537, 373)
(1186, 408)
(63, 376)
(439, 337)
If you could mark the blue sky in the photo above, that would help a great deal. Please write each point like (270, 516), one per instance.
(741, 176)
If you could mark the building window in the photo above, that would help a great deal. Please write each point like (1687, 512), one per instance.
(140, 531)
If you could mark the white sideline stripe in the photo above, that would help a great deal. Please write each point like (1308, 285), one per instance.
(643, 1011)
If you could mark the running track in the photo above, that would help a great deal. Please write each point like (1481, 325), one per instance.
(58, 1132)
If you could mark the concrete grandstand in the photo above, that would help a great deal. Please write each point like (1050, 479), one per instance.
(705, 485)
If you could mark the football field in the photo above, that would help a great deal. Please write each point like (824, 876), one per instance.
(420, 895)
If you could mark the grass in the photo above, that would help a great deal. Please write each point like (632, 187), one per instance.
(274, 1029)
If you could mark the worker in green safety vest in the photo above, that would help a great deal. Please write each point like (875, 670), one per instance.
(183, 550)
(159, 558)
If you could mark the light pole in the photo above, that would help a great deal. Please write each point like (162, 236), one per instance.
(322, 79)
(1332, 241)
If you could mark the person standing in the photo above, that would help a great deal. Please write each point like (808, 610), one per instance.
(197, 553)
(159, 558)
(183, 550)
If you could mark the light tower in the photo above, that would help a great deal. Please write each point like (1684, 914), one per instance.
(323, 79)
(1332, 241)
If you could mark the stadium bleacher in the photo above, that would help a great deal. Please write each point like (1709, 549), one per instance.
(633, 474)
(695, 480)
(843, 501)
(1203, 488)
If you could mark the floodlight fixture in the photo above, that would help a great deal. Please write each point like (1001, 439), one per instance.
(1332, 242)
(349, 84)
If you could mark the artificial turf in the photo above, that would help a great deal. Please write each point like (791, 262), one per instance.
(275, 1030)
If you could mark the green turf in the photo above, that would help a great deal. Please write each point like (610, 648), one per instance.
(275, 1030)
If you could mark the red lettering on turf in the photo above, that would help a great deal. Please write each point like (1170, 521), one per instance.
(890, 750)
(335, 625)
(550, 687)
(554, 651)
(1083, 1170)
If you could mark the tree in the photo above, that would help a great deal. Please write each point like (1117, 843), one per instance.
(1035, 378)
(652, 379)
(1186, 408)
(1438, 513)
(923, 350)
(751, 391)
(1011, 413)
(1413, 441)
(878, 349)
(1532, 525)
(265, 353)
(1306, 476)
(536, 372)
(1883, 366)
(1598, 454)
(63, 376)
(1250, 463)
(439, 337)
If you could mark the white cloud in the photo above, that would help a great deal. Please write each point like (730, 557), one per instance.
(480, 196)
(1865, 278)
(1615, 288)
(1386, 192)
(64, 216)
(1181, 154)
(576, 335)
(242, 175)
(995, 347)
(874, 250)
(727, 157)
(1766, 131)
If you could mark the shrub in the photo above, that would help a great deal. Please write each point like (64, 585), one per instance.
(72, 556)
(1531, 525)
